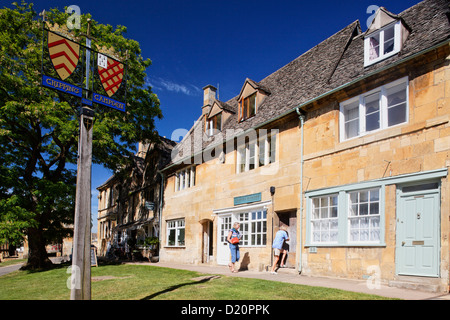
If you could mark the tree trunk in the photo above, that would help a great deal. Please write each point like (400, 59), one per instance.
(37, 256)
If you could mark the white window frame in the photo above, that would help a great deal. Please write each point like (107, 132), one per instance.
(175, 225)
(381, 33)
(244, 216)
(383, 109)
(249, 156)
(185, 178)
(210, 130)
(324, 207)
(373, 219)
(344, 215)
(400, 181)
(252, 223)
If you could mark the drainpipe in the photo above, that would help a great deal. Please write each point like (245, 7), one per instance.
(301, 116)
(272, 193)
(161, 197)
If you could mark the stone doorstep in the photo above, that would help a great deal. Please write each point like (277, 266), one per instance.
(418, 283)
(268, 269)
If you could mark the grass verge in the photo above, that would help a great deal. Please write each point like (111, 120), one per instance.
(144, 282)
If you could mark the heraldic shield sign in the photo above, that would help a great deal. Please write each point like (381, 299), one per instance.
(111, 74)
(64, 54)
(68, 67)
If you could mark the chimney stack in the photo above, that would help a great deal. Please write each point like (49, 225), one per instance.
(209, 94)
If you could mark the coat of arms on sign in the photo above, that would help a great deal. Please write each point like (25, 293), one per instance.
(102, 61)
(110, 72)
(64, 54)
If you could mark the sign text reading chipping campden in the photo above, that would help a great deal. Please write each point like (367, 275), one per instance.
(108, 102)
(61, 86)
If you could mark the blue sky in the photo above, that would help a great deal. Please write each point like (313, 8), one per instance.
(196, 43)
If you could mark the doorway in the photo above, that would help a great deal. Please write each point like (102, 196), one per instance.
(223, 252)
(289, 219)
(207, 240)
(418, 230)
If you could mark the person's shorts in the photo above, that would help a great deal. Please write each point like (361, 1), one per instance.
(276, 252)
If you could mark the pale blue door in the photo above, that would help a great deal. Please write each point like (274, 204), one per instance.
(418, 233)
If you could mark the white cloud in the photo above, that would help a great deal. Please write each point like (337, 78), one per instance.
(162, 84)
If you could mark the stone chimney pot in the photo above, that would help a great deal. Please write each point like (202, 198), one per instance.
(209, 94)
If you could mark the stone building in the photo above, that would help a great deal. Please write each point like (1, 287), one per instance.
(129, 202)
(348, 145)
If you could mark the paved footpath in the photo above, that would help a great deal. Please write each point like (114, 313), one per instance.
(295, 278)
(9, 269)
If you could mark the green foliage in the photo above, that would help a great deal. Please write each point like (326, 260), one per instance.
(14, 220)
(151, 241)
(39, 127)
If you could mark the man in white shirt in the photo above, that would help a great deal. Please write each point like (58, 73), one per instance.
(277, 245)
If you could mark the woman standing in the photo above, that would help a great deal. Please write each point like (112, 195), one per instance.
(233, 239)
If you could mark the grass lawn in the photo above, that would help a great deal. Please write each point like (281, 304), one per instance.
(136, 282)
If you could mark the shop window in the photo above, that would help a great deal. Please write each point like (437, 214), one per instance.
(253, 228)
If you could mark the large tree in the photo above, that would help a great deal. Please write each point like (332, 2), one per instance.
(39, 129)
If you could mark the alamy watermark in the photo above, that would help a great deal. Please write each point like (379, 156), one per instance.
(371, 9)
(255, 148)
(74, 21)
(74, 281)
(374, 279)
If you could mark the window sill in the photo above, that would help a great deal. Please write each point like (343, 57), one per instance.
(346, 245)
(174, 247)
(259, 168)
(185, 190)
(243, 120)
(378, 134)
(379, 59)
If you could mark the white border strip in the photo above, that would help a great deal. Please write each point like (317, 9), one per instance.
(244, 208)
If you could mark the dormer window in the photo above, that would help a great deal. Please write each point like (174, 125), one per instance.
(247, 107)
(382, 44)
(214, 124)
(215, 113)
(385, 37)
(251, 98)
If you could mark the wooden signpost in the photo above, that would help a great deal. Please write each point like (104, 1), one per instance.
(82, 227)
(65, 55)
